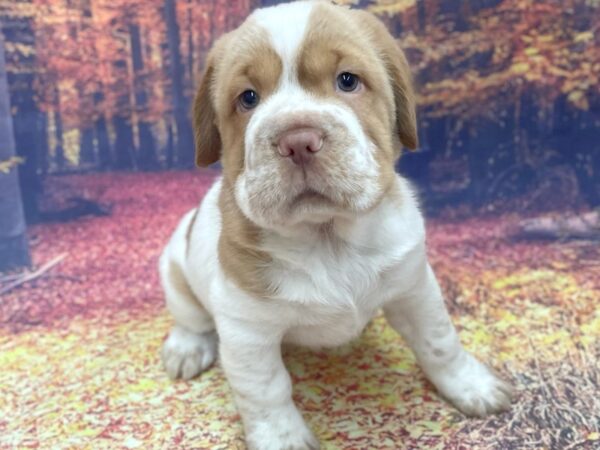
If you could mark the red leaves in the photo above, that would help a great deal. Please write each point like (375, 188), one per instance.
(111, 262)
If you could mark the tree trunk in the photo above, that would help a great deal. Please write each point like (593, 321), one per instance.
(124, 145)
(125, 149)
(104, 154)
(44, 156)
(185, 140)
(58, 132)
(14, 249)
(490, 153)
(87, 147)
(191, 50)
(170, 147)
(101, 131)
(18, 31)
(421, 15)
(147, 152)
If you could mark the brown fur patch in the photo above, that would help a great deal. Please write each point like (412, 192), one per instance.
(239, 251)
(341, 40)
(355, 41)
(242, 59)
(248, 63)
(251, 63)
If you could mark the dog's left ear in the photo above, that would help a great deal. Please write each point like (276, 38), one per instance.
(401, 78)
(404, 97)
(206, 132)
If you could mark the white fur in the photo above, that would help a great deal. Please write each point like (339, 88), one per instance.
(326, 296)
(286, 26)
(265, 171)
(186, 354)
(331, 268)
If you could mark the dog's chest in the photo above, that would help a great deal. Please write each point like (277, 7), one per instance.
(333, 288)
(326, 271)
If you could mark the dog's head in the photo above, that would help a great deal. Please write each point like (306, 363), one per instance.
(307, 106)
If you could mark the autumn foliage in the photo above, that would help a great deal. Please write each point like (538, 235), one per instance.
(110, 77)
(479, 61)
(508, 89)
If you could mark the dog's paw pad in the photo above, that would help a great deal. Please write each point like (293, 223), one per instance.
(186, 354)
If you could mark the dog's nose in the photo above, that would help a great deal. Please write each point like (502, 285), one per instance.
(300, 144)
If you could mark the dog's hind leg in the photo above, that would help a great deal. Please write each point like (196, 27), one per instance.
(192, 343)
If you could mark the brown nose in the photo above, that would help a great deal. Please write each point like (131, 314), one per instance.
(300, 144)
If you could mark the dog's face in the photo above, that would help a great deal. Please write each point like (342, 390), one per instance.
(307, 105)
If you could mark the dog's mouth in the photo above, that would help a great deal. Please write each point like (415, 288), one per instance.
(309, 195)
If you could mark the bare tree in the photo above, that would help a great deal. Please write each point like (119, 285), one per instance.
(181, 105)
(14, 249)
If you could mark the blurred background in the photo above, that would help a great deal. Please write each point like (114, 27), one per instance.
(96, 169)
(509, 100)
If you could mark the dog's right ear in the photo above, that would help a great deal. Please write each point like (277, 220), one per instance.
(400, 77)
(206, 132)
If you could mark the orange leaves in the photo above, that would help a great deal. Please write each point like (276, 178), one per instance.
(551, 47)
(86, 49)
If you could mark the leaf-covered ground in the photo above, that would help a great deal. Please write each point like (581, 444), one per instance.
(79, 365)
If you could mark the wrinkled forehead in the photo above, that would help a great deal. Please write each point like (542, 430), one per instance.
(277, 43)
(285, 28)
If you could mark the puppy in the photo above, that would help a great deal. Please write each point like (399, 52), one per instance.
(309, 231)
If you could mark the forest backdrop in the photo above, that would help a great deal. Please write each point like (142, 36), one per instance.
(509, 93)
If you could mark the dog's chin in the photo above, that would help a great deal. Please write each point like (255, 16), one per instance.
(312, 207)
(305, 208)
(309, 197)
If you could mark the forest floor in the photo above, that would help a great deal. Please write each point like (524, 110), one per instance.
(79, 346)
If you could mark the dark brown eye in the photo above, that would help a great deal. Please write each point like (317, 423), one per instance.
(249, 99)
(347, 81)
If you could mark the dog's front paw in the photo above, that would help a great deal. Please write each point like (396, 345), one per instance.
(282, 440)
(474, 389)
(283, 430)
(186, 354)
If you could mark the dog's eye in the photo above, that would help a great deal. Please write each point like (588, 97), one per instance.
(347, 81)
(249, 99)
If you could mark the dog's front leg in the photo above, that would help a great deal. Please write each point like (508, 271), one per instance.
(420, 316)
(262, 388)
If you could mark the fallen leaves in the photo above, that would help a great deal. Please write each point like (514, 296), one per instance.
(80, 354)
(112, 260)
